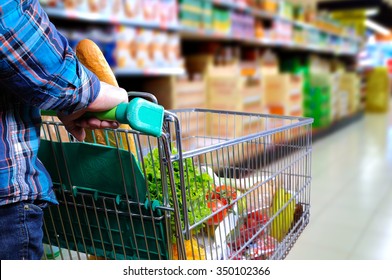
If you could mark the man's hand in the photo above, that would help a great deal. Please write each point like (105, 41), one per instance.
(108, 98)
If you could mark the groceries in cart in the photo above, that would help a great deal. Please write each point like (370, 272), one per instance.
(202, 195)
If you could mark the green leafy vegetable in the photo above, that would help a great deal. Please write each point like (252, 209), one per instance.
(197, 186)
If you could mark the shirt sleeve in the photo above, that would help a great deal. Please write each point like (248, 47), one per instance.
(38, 65)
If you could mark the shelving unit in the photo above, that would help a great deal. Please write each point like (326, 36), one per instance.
(169, 71)
(187, 33)
(90, 17)
(169, 83)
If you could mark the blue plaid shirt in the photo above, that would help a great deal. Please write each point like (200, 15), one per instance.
(38, 70)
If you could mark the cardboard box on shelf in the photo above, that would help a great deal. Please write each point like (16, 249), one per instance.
(268, 63)
(190, 93)
(282, 94)
(350, 83)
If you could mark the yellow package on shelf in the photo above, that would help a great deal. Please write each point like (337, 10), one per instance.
(377, 90)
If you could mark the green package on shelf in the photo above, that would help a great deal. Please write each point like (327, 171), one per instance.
(317, 112)
(321, 122)
(316, 99)
(190, 19)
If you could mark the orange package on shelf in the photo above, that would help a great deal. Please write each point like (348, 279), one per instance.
(269, 6)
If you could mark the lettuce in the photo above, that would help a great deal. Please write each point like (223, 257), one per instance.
(197, 186)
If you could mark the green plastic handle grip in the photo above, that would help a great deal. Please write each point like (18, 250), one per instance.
(140, 114)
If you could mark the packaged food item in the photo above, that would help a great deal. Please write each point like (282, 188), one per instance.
(126, 50)
(73, 5)
(262, 249)
(115, 9)
(50, 3)
(174, 51)
(167, 15)
(192, 250)
(133, 9)
(150, 11)
(96, 6)
(159, 40)
(261, 197)
(143, 40)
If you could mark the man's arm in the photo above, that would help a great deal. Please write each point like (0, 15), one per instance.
(37, 64)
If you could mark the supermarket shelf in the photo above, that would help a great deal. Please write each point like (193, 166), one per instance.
(275, 152)
(98, 18)
(200, 34)
(320, 133)
(267, 15)
(168, 71)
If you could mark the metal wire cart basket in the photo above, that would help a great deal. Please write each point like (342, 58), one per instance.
(216, 185)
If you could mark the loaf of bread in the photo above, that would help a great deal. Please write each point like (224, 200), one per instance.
(90, 55)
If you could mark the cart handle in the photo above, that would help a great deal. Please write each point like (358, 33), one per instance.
(140, 114)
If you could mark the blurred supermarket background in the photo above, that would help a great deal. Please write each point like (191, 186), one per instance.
(328, 60)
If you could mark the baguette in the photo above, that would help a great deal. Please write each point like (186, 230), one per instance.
(93, 59)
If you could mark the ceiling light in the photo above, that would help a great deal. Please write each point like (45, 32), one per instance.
(377, 27)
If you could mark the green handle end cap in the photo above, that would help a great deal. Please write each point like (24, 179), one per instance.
(142, 115)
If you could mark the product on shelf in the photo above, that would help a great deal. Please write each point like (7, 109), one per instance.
(286, 9)
(196, 14)
(133, 48)
(349, 84)
(167, 15)
(126, 48)
(221, 21)
(190, 92)
(269, 63)
(377, 89)
(282, 31)
(133, 9)
(270, 6)
(150, 10)
(242, 25)
(259, 29)
(162, 13)
(317, 102)
(282, 94)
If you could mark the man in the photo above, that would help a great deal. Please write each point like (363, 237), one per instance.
(38, 70)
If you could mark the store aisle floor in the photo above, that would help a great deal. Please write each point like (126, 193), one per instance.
(351, 195)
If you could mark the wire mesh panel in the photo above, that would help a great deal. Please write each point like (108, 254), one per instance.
(216, 185)
(258, 195)
(106, 209)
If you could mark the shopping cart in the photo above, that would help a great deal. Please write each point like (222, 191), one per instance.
(216, 185)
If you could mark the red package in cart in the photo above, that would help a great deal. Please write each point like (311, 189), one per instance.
(261, 249)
